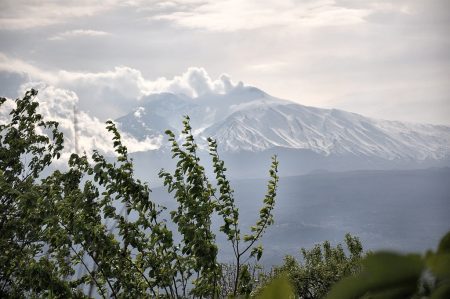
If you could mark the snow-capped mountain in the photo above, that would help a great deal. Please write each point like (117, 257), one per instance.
(247, 119)
(329, 132)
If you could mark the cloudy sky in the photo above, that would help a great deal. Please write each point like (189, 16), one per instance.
(384, 59)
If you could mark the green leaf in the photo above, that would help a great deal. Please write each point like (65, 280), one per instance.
(277, 288)
(383, 273)
(442, 291)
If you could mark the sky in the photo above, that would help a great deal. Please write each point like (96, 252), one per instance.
(382, 59)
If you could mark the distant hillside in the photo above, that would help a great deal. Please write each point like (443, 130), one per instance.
(398, 210)
(251, 125)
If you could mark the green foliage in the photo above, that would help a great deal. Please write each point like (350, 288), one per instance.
(193, 193)
(92, 228)
(24, 153)
(385, 274)
(391, 275)
(198, 199)
(67, 220)
(321, 267)
(230, 215)
(245, 281)
(279, 287)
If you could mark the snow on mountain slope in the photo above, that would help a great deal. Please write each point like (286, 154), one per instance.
(247, 119)
(329, 132)
(204, 111)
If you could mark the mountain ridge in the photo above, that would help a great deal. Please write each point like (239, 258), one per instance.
(248, 119)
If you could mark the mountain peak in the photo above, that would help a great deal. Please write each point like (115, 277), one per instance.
(248, 119)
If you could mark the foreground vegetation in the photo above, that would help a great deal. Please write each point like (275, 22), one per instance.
(326, 272)
(93, 230)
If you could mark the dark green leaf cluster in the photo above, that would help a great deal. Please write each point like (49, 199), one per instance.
(393, 275)
(25, 151)
(198, 200)
(278, 286)
(79, 218)
(92, 229)
(230, 214)
(193, 193)
(321, 267)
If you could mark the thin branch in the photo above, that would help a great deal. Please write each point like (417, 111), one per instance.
(87, 269)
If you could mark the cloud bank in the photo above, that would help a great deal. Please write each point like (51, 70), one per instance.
(124, 82)
(79, 33)
(25, 14)
(234, 15)
(82, 132)
(194, 82)
(212, 15)
(384, 59)
(65, 96)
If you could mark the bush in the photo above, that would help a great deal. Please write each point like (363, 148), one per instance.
(93, 229)
(320, 267)
(393, 275)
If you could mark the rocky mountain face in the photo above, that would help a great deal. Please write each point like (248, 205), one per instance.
(250, 125)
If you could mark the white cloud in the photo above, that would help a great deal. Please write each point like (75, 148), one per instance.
(232, 15)
(124, 86)
(113, 91)
(215, 15)
(60, 92)
(123, 81)
(269, 66)
(78, 33)
(59, 105)
(5, 109)
(11, 65)
(194, 82)
(332, 50)
(139, 111)
(24, 14)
